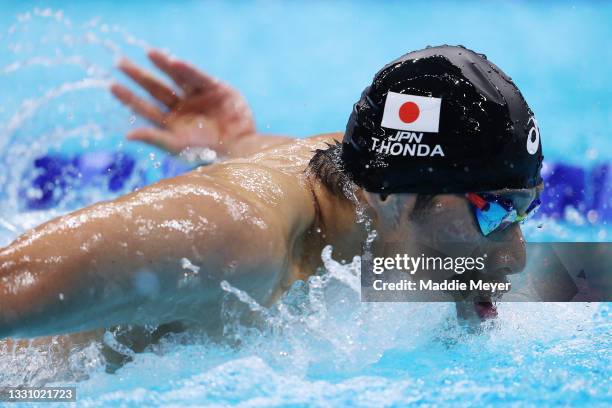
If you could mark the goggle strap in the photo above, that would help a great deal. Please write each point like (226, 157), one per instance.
(534, 204)
(478, 201)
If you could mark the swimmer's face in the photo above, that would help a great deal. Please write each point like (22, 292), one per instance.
(443, 221)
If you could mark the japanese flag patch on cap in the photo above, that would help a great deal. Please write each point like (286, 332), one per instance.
(411, 112)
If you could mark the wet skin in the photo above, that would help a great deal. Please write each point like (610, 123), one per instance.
(258, 220)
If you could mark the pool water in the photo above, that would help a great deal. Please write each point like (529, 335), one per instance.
(301, 66)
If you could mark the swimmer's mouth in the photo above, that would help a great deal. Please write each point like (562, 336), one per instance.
(480, 309)
(479, 305)
(485, 309)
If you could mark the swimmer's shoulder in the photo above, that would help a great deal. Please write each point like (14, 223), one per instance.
(289, 158)
(327, 137)
(274, 180)
(273, 176)
(296, 153)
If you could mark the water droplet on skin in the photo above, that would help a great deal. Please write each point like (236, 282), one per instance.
(200, 125)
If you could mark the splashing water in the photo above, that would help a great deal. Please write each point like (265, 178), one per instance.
(55, 76)
(319, 345)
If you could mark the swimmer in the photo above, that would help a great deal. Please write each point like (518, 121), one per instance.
(441, 147)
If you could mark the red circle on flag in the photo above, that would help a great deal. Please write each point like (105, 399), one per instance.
(409, 112)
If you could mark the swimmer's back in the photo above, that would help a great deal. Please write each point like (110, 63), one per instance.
(272, 177)
(291, 157)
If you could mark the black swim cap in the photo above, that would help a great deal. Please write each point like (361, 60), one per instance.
(442, 120)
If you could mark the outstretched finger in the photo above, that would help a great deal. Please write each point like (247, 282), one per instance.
(189, 78)
(156, 88)
(137, 104)
(157, 137)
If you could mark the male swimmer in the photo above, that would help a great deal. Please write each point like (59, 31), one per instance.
(441, 147)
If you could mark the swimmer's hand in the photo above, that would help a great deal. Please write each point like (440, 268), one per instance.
(200, 111)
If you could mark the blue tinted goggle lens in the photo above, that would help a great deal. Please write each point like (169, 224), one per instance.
(495, 216)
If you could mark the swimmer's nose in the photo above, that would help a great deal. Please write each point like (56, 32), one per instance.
(505, 252)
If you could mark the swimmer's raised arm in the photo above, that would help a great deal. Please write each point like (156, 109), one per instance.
(200, 112)
(150, 257)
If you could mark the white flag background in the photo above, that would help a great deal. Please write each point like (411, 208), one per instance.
(411, 112)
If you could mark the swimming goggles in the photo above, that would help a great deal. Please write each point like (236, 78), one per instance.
(496, 213)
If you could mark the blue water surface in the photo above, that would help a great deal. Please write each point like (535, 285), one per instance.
(302, 65)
